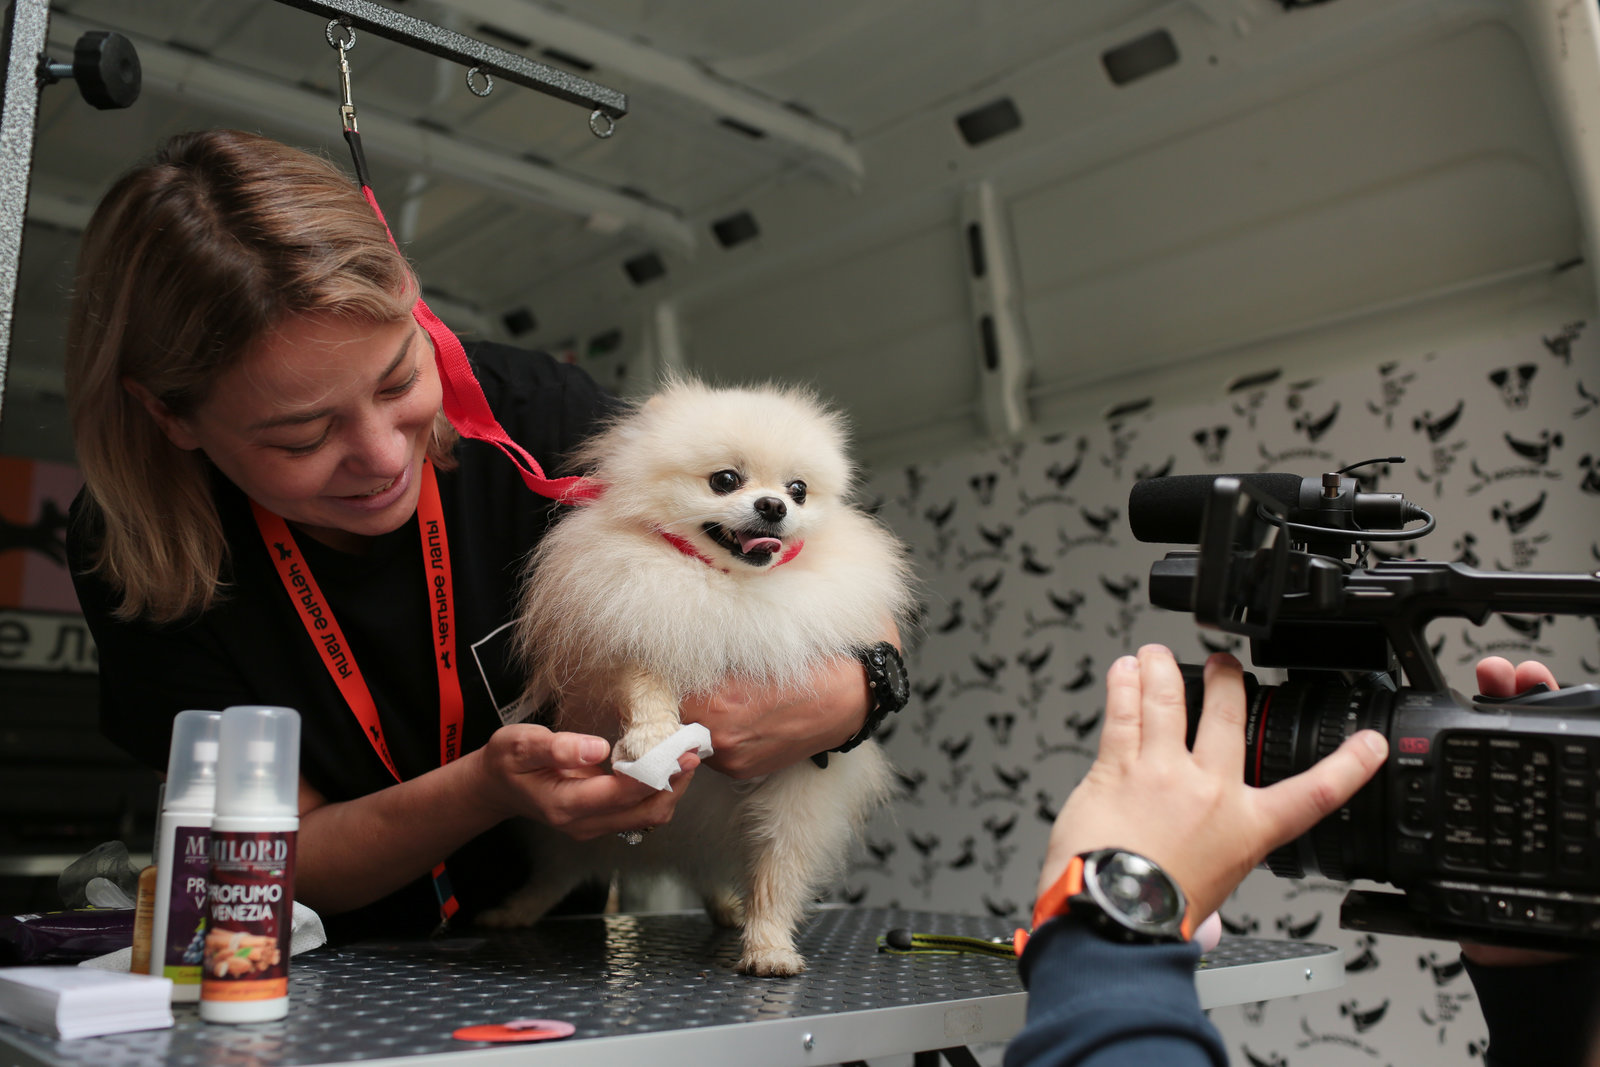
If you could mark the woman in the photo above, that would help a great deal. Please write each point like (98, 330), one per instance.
(257, 417)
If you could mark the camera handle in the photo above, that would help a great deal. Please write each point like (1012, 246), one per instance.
(1403, 596)
(1249, 590)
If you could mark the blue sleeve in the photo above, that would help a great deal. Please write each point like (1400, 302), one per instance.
(1095, 1002)
(1543, 1014)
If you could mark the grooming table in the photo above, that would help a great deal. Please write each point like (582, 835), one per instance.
(655, 989)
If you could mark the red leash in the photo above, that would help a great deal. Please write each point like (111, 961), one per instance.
(467, 408)
(464, 403)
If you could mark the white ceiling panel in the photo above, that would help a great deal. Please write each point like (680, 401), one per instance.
(1295, 165)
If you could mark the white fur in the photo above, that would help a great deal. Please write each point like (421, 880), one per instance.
(618, 626)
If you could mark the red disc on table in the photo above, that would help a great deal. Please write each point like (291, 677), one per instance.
(517, 1030)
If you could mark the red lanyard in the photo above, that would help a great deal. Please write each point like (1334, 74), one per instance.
(464, 403)
(469, 412)
(316, 615)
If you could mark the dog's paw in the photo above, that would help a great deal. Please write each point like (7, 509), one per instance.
(771, 962)
(641, 739)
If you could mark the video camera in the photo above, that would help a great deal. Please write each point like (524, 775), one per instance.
(1487, 813)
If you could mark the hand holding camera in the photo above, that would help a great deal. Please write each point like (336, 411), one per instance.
(1213, 828)
(1487, 812)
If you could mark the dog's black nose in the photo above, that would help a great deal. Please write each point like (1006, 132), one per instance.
(771, 508)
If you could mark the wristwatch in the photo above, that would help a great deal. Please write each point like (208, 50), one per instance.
(1121, 895)
(889, 690)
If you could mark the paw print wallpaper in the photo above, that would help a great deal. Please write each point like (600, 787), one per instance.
(1033, 585)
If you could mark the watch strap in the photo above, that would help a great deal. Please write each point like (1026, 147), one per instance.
(1057, 900)
(1052, 901)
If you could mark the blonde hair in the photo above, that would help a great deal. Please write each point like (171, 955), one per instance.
(188, 260)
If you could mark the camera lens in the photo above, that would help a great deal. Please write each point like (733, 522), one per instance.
(1288, 728)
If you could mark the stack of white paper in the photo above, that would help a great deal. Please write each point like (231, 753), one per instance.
(67, 1002)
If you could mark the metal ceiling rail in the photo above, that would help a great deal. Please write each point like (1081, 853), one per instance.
(829, 147)
(396, 139)
(447, 44)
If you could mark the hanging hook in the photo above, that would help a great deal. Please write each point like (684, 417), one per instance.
(601, 124)
(488, 82)
(342, 35)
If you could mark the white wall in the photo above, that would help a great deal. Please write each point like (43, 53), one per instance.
(1308, 172)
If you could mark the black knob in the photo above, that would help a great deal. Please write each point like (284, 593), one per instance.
(107, 69)
(104, 65)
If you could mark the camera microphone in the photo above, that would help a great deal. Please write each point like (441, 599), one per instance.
(1169, 510)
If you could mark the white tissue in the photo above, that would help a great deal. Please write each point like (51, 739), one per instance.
(657, 766)
(305, 932)
(104, 893)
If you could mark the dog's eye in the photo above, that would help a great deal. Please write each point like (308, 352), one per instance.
(797, 491)
(723, 482)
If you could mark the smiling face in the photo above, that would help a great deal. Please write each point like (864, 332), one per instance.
(325, 421)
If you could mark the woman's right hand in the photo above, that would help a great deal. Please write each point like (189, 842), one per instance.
(560, 779)
(353, 852)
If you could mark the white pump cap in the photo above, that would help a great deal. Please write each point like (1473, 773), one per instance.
(192, 763)
(258, 771)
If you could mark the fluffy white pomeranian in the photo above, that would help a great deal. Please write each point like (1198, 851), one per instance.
(724, 545)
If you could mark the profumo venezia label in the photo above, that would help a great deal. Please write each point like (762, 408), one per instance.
(250, 903)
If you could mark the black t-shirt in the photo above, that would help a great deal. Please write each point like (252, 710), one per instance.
(251, 648)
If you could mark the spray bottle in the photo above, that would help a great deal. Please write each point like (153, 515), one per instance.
(183, 853)
(245, 970)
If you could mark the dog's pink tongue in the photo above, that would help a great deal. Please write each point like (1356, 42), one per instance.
(761, 544)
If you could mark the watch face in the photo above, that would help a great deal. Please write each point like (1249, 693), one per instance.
(1135, 892)
(887, 671)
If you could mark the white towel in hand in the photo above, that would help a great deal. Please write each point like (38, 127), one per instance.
(657, 766)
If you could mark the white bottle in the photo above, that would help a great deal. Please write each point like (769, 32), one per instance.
(245, 972)
(183, 853)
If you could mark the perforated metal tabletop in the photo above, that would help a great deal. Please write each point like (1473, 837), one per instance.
(645, 989)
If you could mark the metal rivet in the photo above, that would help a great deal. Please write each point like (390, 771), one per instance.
(1308, 974)
(808, 1042)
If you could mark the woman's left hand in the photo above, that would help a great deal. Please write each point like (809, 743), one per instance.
(756, 730)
